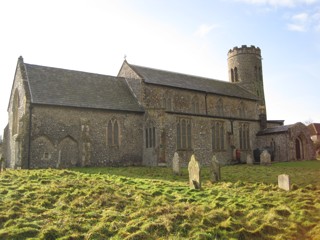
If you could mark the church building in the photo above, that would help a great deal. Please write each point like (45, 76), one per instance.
(62, 118)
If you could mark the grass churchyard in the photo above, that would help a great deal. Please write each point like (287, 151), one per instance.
(155, 203)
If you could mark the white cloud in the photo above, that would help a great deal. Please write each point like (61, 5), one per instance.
(280, 3)
(301, 17)
(305, 21)
(299, 22)
(297, 27)
(205, 29)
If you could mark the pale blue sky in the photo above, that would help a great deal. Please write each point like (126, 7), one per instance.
(188, 36)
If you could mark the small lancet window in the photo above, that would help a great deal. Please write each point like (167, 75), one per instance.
(113, 133)
(150, 137)
(15, 113)
(236, 79)
(232, 75)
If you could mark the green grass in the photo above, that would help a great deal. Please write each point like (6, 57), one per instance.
(152, 203)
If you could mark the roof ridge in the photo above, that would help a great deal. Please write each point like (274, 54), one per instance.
(191, 82)
(185, 74)
(71, 70)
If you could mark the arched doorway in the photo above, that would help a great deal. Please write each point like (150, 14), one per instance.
(299, 149)
(68, 153)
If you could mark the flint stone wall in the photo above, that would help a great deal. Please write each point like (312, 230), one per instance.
(55, 129)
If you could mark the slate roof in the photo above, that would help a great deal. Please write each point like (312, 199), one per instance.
(61, 87)
(275, 130)
(184, 81)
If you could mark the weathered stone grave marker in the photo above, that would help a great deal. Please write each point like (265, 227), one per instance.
(176, 165)
(265, 158)
(194, 173)
(284, 182)
(249, 159)
(215, 174)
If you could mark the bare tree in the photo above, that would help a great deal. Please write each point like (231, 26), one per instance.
(308, 121)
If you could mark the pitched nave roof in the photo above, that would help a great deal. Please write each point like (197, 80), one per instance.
(61, 87)
(190, 82)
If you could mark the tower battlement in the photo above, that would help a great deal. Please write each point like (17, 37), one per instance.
(244, 49)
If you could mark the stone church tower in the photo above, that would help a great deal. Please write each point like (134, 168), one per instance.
(245, 70)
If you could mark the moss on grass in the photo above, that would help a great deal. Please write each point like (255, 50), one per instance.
(152, 203)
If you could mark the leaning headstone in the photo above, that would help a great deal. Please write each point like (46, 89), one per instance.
(176, 166)
(215, 174)
(284, 182)
(194, 173)
(265, 158)
(249, 159)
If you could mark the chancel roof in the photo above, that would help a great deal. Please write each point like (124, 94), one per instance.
(184, 81)
(61, 87)
(275, 130)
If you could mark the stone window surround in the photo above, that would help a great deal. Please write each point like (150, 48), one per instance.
(150, 137)
(244, 136)
(113, 133)
(184, 134)
(218, 136)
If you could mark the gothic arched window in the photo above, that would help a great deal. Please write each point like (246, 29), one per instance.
(242, 110)
(195, 105)
(219, 107)
(167, 102)
(150, 136)
(218, 136)
(184, 134)
(244, 136)
(15, 113)
(113, 130)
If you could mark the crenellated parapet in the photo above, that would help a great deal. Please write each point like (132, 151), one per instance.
(244, 49)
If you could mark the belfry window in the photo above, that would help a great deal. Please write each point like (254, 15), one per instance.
(113, 133)
(184, 134)
(232, 75)
(236, 79)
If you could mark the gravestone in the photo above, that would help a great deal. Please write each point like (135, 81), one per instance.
(265, 158)
(176, 166)
(194, 173)
(249, 159)
(215, 174)
(284, 182)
